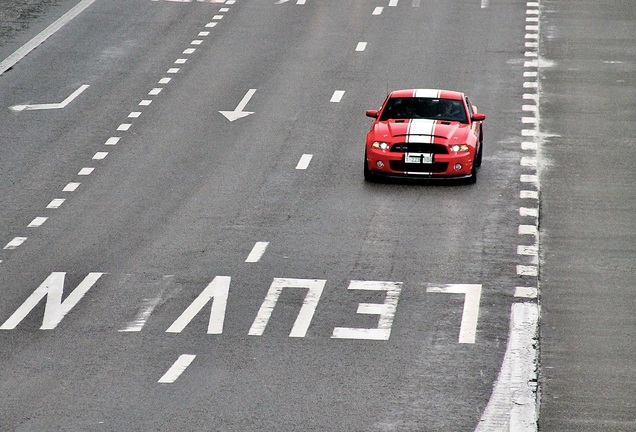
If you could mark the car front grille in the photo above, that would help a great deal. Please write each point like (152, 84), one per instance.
(419, 148)
(435, 167)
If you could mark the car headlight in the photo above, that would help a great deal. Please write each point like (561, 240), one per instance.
(456, 148)
(380, 145)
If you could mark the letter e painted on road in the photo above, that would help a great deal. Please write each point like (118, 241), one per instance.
(315, 287)
(386, 311)
(55, 309)
(217, 290)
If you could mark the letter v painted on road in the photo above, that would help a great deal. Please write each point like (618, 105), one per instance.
(55, 309)
(62, 104)
(217, 291)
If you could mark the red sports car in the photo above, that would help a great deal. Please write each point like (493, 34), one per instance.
(424, 133)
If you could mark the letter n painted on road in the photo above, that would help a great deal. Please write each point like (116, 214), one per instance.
(55, 309)
(386, 311)
(307, 310)
(218, 290)
(472, 296)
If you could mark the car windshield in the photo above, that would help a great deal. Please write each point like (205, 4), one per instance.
(424, 108)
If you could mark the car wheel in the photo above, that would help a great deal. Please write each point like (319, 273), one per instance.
(367, 174)
(473, 175)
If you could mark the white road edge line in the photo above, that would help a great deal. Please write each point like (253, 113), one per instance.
(512, 405)
(25, 49)
(177, 368)
(257, 252)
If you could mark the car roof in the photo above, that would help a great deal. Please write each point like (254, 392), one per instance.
(427, 93)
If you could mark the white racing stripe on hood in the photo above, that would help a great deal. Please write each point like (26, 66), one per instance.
(420, 131)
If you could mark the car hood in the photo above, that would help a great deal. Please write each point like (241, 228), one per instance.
(422, 130)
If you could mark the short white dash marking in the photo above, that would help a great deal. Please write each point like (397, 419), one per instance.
(204, 33)
(527, 145)
(145, 102)
(528, 161)
(300, 2)
(528, 132)
(528, 120)
(531, 64)
(165, 80)
(224, 9)
(100, 155)
(173, 70)
(85, 171)
(196, 42)
(528, 230)
(527, 178)
(71, 187)
(257, 252)
(527, 211)
(526, 292)
(526, 194)
(210, 25)
(303, 163)
(155, 91)
(525, 270)
(393, 2)
(112, 140)
(527, 250)
(532, 28)
(180, 61)
(532, 44)
(55, 203)
(337, 96)
(124, 127)
(38, 221)
(17, 241)
(531, 54)
(177, 369)
(378, 10)
(189, 50)
(532, 36)
(530, 84)
(134, 114)
(361, 46)
(217, 17)
(532, 19)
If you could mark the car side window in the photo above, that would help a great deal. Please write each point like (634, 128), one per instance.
(470, 107)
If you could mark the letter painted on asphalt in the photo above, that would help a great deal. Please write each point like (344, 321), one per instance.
(386, 311)
(55, 309)
(315, 287)
(472, 296)
(217, 291)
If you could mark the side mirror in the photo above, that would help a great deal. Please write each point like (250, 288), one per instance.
(373, 113)
(478, 117)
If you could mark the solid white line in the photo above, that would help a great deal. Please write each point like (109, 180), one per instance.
(38, 221)
(17, 241)
(303, 163)
(512, 405)
(177, 369)
(25, 49)
(257, 252)
(337, 96)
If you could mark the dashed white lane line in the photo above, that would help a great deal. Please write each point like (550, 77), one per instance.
(100, 155)
(86, 171)
(134, 114)
(361, 46)
(337, 96)
(55, 203)
(303, 163)
(217, 17)
(393, 2)
(112, 140)
(155, 91)
(526, 292)
(196, 42)
(529, 194)
(172, 70)
(17, 241)
(71, 187)
(177, 368)
(257, 252)
(37, 222)
(124, 127)
(204, 33)
(145, 102)
(377, 11)
(165, 80)
(210, 25)
(188, 51)
(180, 61)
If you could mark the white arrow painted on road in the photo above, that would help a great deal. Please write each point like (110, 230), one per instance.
(238, 111)
(62, 104)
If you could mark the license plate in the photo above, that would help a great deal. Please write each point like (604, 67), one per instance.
(418, 158)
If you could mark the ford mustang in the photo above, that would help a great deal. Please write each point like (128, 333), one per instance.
(424, 133)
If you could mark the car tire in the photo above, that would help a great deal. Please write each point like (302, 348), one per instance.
(368, 175)
(481, 150)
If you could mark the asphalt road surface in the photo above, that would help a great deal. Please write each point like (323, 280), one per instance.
(188, 242)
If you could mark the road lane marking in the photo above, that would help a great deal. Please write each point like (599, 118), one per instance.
(25, 49)
(85, 171)
(238, 112)
(37, 222)
(17, 241)
(155, 91)
(165, 80)
(257, 252)
(377, 11)
(100, 155)
(470, 314)
(124, 127)
(177, 368)
(304, 161)
(337, 96)
(48, 106)
(71, 187)
(112, 140)
(56, 203)
(527, 194)
(361, 46)
(134, 114)
(140, 320)
(526, 292)
(393, 2)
